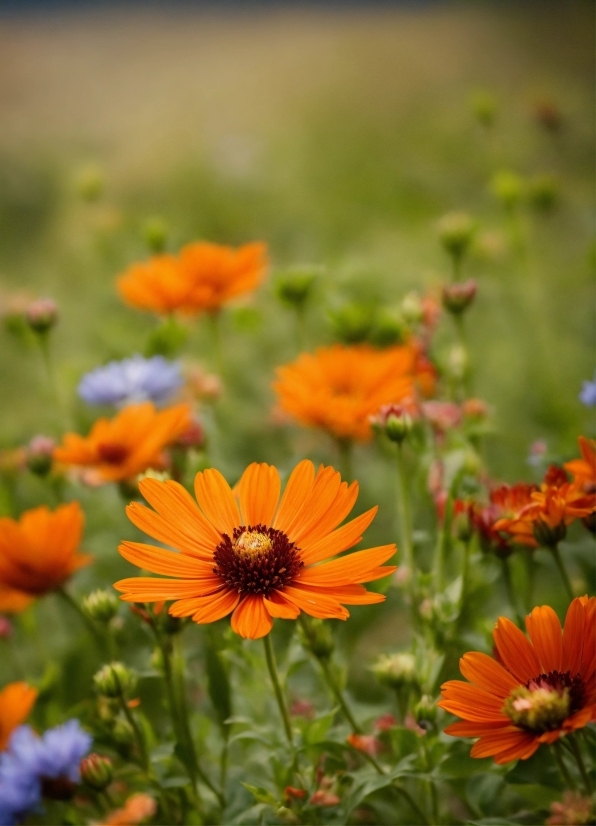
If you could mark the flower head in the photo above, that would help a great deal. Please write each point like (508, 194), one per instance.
(256, 557)
(584, 470)
(138, 807)
(130, 381)
(157, 285)
(573, 810)
(339, 388)
(505, 502)
(16, 701)
(537, 691)
(39, 552)
(130, 443)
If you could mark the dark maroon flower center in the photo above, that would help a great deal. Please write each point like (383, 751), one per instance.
(562, 682)
(256, 560)
(112, 453)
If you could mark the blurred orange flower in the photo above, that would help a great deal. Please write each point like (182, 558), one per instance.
(258, 560)
(158, 285)
(39, 552)
(16, 701)
(138, 807)
(537, 691)
(506, 502)
(122, 447)
(584, 470)
(339, 388)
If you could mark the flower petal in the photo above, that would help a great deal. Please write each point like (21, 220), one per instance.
(280, 607)
(347, 569)
(339, 540)
(315, 603)
(573, 637)
(217, 501)
(152, 589)
(487, 673)
(297, 490)
(160, 561)
(208, 608)
(258, 490)
(251, 619)
(545, 632)
(516, 651)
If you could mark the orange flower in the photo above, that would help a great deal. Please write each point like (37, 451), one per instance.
(539, 690)
(339, 388)
(506, 502)
(122, 447)
(258, 560)
(39, 552)
(584, 470)
(218, 273)
(16, 701)
(202, 278)
(138, 807)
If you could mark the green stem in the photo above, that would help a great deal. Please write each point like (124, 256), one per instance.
(216, 340)
(139, 737)
(443, 544)
(88, 622)
(432, 789)
(271, 665)
(576, 751)
(300, 327)
(511, 595)
(109, 799)
(465, 385)
(345, 459)
(223, 760)
(411, 803)
(558, 752)
(465, 565)
(404, 513)
(554, 549)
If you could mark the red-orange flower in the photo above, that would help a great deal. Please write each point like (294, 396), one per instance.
(39, 552)
(584, 470)
(539, 690)
(16, 701)
(506, 502)
(157, 285)
(339, 388)
(257, 557)
(122, 447)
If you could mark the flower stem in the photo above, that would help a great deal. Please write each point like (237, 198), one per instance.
(411, 803)
(511, 595)
(87, 621)
(271, 665)
(345, 459)
(558, 752)
(139, 737)
(554, 549)
(216, 340)
(443, 544)
(576, 751)
(404, 512)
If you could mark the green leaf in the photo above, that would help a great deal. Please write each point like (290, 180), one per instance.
(483, 790)
(540, 769)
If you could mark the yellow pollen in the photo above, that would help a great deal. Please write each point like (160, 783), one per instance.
(252, 543)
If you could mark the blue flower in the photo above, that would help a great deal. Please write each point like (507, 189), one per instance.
(30, 763)
(587, 395)
(130, 381)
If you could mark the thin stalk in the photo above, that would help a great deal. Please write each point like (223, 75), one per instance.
(139, 737)
(88, 622)
(456, 265)
(339, 695)
(223, 760)
(443, 545)
(411, 803)
(465, 384)
(300, 313)
(511, 595)
(109, 799)
(216, 340)
(345, 458)
(558, 752)
(465, 565)
(576, 751)
(273, 673)
(554, 549)
(432, 789)
(404, 513)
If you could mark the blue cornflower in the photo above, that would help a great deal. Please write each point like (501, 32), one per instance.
(132, 380)
(31, 763)
(587, 394)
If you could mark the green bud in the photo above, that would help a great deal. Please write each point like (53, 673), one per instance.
(40, 455)
(318, 639)
(543, 192)
(101, 605)
(353, 323)
(456, 231)
(122, 732)
(90, 183)
(155, 233)
(425, 712)
(508, 188)
(458, 297)
(41, 315)
(166, 339)
(412, 309)
(96, 771)
(396, 670)
(388, 329)
(397, 427)
(458, 361)
(294, 287)
(546, 536)
(484, 106)
(115, 680)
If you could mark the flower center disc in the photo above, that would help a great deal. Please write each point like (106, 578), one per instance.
(256, 560)
(545, 702)
(112, 453)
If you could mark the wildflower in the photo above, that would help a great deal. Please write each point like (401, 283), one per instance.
(39, 455)
(396, 670)
(259, 560)
(218, 274)
(505, 501)
(587, 395)
(324, 798)
(458, 297)
(42, 315)
(16, 701)
(573, 810)
(536, 692)
(396, 420)
(584, 470)
(120, 448)
(38, 553)
(366, 743)
(339, 388)
(443, 416)
(158, 285)
(131, 381)
(138, 807)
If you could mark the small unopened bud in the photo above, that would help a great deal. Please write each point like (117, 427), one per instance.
(353, 323)
(484, 107)
(42, 315)
(114, 680)
(318, 639)
(293, 793)
(366, 743)
(294, 287)
(412, 308)
(508, 188)
(475, 409)
(547, 536)
(101, 605)
(40, 455)
(155, 233)
(456, 231)
(388, 329)
(543, 192)
(458, 361)
(90, 183)
(286, 815)
(458, 297)
(425, 712)
(396, 670)
(396, 420)
(122, 732)
(96, 771)
(194, 436)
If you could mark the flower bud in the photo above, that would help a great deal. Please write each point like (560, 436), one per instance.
(396, 420)
(508, 188)
(484, 107)
(96, 771)
(155, 233)
(40, 455)
(41, 315)
(366, 743)
(295, 286)
(352, 323)
(194, 436)
(425, 712)
(547, 536)
(456, 231)
(543, 192)
(396, 670)
(458, 297)
(122, 732)
(388, 329)
(114, 680)
(90, 183)
(458, 361)
(318, 639)
(101, 605)
(412, 308)
(324, 798)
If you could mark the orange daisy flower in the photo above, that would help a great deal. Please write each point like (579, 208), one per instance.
(257, 556)
(16, 701)
(39, 552)
(219, 273)
(339, 388)
(158, 285)
(121, 448)
(506, 502)
(584, 470)
(535, 692)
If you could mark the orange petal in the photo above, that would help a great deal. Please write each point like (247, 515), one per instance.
(315, 603)
(339, 540)
(208, 608)
(516, 651)
(251, 619)
(217, 501)
(280, 607)
(464, 728)
(487, 673)
(297, 491)
(13, 601)
(324, 492)
(544, 629)
(160, 561)
(470, 702)
(16, 701)
(347, 569)
(258, 490)
(492, 743)
(573, 637)
(329, 519)
(151, 589)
